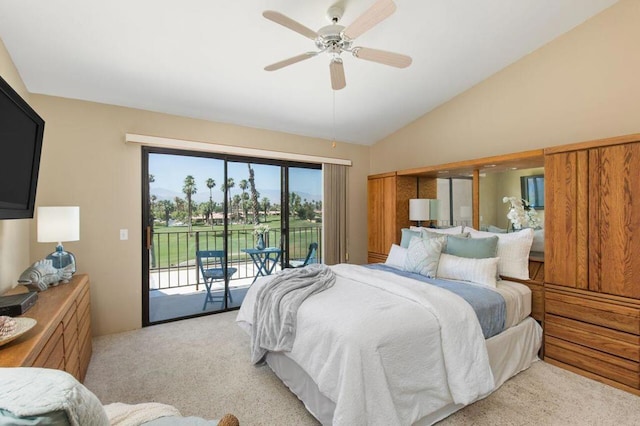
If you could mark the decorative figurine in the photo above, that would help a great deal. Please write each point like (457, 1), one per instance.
(42, 274)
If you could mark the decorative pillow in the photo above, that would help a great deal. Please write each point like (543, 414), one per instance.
(538, 240)
(428, 233)
(397, 257)
(454, 230)
(513, 251)
(423, 255)
(478, 271)
(497, 230)
(474, 248)
(407, 235)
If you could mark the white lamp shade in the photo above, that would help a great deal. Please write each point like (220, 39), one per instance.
(419, 209)
(58, 224)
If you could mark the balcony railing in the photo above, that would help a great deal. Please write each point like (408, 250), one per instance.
(172, 257)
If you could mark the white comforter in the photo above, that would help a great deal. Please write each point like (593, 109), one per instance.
(387, 349)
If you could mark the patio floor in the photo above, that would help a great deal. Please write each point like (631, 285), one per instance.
(188, 299)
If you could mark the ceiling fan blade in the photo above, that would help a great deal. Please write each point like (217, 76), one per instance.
(337, 74)
(382, 56)
(380, 10)
(285, 21)
(290, 61)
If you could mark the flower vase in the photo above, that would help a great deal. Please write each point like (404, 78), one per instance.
(260, 242)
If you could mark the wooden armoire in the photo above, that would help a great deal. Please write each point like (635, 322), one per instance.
(388, 196)
(592, 259)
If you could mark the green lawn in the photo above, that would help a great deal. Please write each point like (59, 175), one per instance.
(174, 245)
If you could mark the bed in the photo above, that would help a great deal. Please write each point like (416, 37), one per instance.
(381, 347)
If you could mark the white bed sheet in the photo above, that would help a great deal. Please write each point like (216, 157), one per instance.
(510, 352)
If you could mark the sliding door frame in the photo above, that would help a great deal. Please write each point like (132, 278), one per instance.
(146, 234)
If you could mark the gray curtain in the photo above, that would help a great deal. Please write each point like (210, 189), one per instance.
(335, 213)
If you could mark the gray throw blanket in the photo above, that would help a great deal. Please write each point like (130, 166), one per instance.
(277, 303)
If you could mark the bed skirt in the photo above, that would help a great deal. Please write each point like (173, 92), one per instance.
(510, 352)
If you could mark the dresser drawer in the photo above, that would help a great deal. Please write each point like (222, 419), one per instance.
(605, 365)
(614, 342)
(603, 313)
(52, 354)
(72, 360)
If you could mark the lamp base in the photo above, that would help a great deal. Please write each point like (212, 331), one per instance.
(61, 259)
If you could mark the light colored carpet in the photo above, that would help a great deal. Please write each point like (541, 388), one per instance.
(202, 367)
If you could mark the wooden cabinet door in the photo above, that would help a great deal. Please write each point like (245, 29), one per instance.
(376, 214)
(566, 219)
(614, 205)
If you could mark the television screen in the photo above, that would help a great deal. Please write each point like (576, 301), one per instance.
(21, 131)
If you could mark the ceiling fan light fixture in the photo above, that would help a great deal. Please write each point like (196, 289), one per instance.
(335, 39)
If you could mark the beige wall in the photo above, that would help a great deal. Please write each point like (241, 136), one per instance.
(14, 234)
(581, 86)
(86, 162)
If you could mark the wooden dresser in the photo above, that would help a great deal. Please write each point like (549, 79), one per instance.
(62, 337)
(592, 262)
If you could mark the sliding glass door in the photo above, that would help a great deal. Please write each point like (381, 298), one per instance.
(213, 224)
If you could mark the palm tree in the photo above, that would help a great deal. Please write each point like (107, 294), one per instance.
(255, 205)
(166, 207)
(244, 185)
(266, 204)
(236, 203)
(211, 184)
(189, 189)
(245, 205)
(230, 184)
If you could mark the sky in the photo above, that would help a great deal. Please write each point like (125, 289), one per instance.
(169, 172)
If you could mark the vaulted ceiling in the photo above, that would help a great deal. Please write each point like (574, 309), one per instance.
(206, 59)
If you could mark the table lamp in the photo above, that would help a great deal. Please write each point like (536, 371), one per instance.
(58, 224)
(419, 209)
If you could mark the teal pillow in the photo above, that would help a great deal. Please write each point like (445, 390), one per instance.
(407, 234)
(472, 248)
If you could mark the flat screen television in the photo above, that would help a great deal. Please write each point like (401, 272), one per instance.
(21, 131)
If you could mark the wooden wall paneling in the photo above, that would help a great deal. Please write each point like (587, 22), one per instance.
(427, 187)
(594, 220)
(375, 210)
(391, 213)
(582, 220)
(619, 222)
(561, 219)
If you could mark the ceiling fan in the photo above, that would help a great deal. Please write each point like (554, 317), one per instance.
(335, 39)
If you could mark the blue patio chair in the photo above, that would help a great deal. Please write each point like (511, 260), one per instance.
(211, 264)
(310, 259)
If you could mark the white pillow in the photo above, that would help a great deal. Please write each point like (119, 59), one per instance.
(538, 240)
(513, 251)
(397, 257)
(478, 271)
(452, 231)
(423, 255)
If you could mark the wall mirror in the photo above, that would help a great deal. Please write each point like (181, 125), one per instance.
(494, 186)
